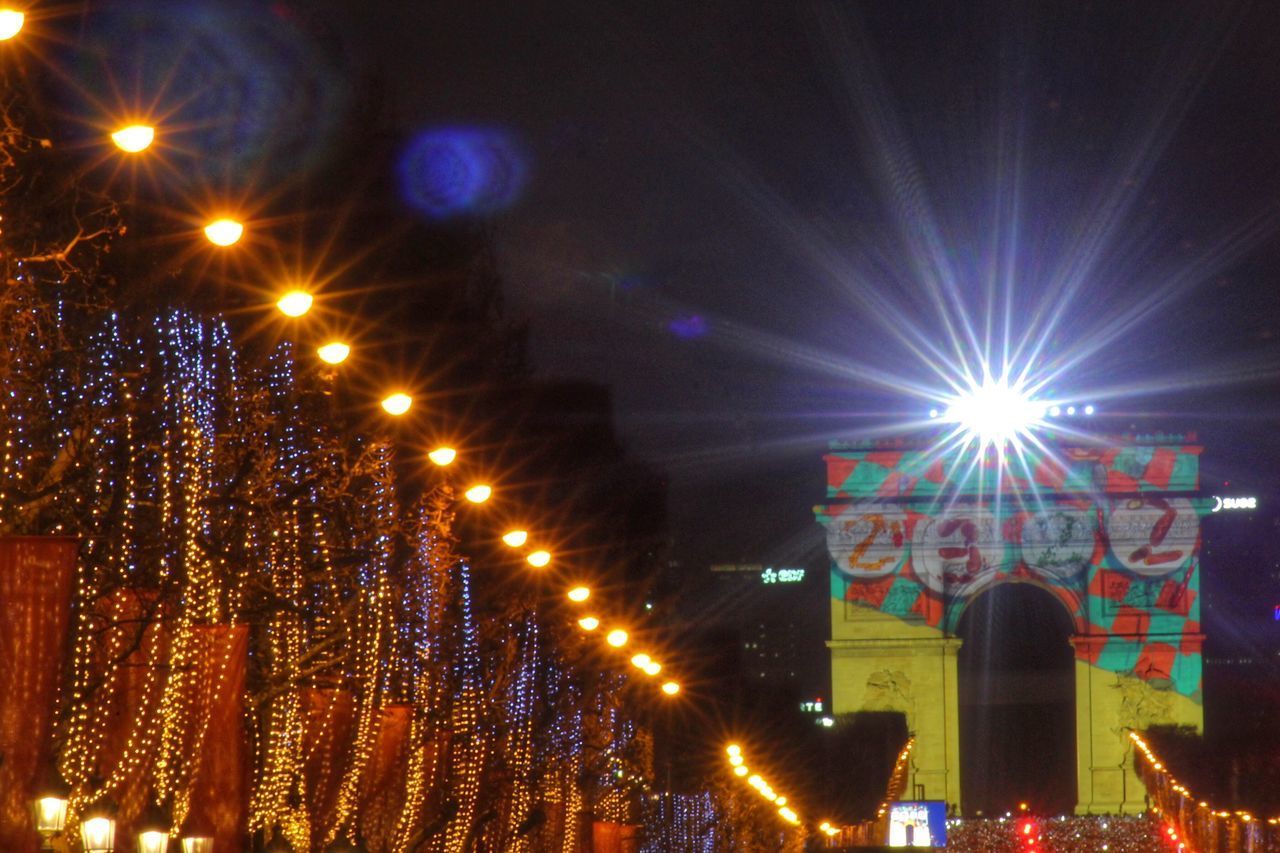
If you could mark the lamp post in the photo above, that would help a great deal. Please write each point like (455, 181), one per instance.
(98, 828)
(49, 808)
(153, 831)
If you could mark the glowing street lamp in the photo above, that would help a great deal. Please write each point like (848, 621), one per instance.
(515, 538)
(671, 688)
(652, 668)
(442, 456)
(224, 232)
(134, 138)
(588, 623)
(579, 593)
(11, 21)
(741, 770)
(538, 559)
(334, 352)
(733, 749)
(49, 809)
(153, 832)
(197, 844)
(478, 494)
(617, 638)
(295, 303)
(98, 830)
(641, 660)
(397, 404)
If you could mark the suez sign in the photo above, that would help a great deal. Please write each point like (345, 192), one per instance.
(1220, 504)
(768, 574)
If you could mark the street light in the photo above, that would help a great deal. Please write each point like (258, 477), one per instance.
(49, 809)
(538, 559)
(652, 668)
(671, 688)
(197, 844)
(515, 538)
(224, 232)
(579, 593)
(11, 21)
(98, 829)
(334, 352)
(641, 660)
(295, 303)
(617, 638)
(153, 832)
(588, 623)
(134, 138)
(397, 404)
(479, 493)
(442, 456)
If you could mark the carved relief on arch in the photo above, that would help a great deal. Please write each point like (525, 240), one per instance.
(890, 690)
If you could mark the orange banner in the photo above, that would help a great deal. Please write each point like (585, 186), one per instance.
(328, 718)
(35, 604)
(384, 778)
(220, 787)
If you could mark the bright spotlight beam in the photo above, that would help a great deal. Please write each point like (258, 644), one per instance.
(994, 413)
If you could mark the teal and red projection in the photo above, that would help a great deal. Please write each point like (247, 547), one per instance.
(1113, 532)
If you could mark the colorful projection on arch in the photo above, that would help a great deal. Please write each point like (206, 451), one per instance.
(1122, 559)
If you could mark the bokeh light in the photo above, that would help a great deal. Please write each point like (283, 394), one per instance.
(461, 171)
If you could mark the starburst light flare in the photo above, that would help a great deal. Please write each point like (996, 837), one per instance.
(995, 412)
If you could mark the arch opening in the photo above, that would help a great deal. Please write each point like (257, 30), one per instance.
(1016, 673)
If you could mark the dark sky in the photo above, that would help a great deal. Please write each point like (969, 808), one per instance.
(757, 220)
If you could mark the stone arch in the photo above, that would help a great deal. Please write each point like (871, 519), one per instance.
(1069, 599)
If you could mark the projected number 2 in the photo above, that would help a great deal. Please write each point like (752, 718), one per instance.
(872, 544)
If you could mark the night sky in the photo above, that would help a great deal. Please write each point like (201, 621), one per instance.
(734, 213)
(767, 225)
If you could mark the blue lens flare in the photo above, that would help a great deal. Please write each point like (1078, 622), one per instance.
(450, 172)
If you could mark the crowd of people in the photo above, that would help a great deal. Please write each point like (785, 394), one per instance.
(1143, 834)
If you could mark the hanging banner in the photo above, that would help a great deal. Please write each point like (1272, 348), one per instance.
(35, 605)
(220, 787)
(383, 793)
(328, 720)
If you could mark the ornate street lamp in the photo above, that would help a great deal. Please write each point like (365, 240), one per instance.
(49, 809)
(98, 829)
(153, 831)
(192, 843)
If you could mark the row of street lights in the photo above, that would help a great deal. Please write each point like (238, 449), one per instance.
(97, 823)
